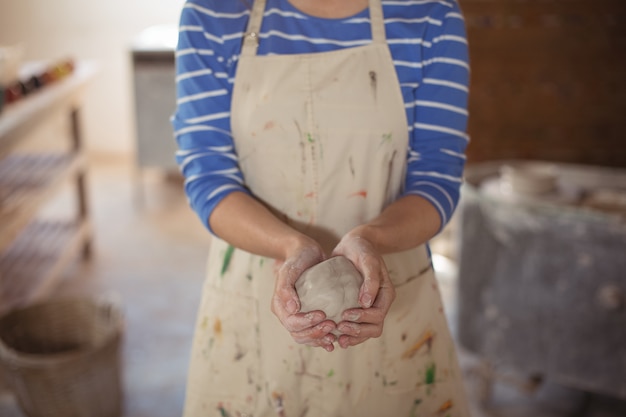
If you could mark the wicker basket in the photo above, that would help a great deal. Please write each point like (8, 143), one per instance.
(62, 358)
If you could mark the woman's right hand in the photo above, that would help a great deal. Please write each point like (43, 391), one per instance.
(310, 328)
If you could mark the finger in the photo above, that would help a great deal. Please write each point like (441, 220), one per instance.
(326, 344)
(363, 315)
(360, 330)
(302, 321)
(375, 314)
(325, 341)
(315, 337)
(346, 341)
(316, 332)
(329, 346)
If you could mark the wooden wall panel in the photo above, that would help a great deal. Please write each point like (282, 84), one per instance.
(548, 80)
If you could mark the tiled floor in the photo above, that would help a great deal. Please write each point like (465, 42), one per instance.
(150, 255)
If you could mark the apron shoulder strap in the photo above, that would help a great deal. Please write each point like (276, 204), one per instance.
(377, 21)
(251, 37)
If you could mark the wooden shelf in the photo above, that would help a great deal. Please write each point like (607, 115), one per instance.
(26, 182)
(17, 119)
(34, 252)
(32, 264)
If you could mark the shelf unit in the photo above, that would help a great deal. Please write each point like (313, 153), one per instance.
(35, 251)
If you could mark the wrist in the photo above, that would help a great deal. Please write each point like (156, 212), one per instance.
(297, 243)
(366, 232)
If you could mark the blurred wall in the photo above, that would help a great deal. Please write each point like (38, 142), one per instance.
(547, 80)
(94, 30)
(547, 75)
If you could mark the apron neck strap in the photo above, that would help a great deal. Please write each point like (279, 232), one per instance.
(251, 38)
(377, 21)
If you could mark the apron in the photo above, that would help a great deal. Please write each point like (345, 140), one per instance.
(322, 140)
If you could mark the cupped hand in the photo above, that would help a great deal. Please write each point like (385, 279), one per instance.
(309, 328)
(375, 296)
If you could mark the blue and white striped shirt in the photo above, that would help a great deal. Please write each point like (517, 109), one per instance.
(428, 45)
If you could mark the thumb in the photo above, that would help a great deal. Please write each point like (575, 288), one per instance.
(369, 288)
(285, 287)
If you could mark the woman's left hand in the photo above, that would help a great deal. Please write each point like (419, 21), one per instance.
(375, 296)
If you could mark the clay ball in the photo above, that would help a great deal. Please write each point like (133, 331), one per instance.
(331, 286)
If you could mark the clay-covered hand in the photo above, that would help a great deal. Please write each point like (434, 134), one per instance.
(375, 296)
(310, 328)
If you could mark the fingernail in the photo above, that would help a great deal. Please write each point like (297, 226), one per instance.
(366, 300)
(292, 307)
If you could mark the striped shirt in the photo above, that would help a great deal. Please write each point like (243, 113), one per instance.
(430, 53)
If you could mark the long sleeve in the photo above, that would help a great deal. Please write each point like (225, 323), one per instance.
(429, 48)
(204, 72)
(438, 136)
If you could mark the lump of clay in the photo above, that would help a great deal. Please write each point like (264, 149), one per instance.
(331, 286)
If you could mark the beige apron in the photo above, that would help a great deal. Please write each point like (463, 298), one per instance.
(322, 140)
